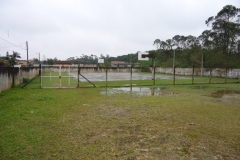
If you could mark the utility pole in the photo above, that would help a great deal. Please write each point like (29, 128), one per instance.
(202, 64)
(174, 67)
(27, 52)
(39, 58)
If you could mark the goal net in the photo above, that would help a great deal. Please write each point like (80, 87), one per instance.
(59, 76)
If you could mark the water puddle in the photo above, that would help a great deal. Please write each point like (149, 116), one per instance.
(200, 87)
(138, 91)
(222, 93)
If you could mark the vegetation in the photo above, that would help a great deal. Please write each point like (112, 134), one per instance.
(184, 122)
(217, 47)
(13, 57)
(10, 59)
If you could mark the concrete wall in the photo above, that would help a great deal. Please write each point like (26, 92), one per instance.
(10, 74)
(216, 72)
(87, 69)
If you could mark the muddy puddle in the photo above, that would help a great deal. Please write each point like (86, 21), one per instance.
(138, 91)
(224, 93)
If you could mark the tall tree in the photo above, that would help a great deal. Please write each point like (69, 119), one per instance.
(13, 57)
(157, 43)
(225, 29)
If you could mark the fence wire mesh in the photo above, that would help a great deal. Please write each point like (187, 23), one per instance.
(74, 76)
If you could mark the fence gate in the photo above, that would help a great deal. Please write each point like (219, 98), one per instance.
(59, 76)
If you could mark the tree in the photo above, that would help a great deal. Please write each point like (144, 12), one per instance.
(35, 60)
(225, 29)
(55, 59)
(50, 61)
(170, 43)
(13, 57)
(157, 43)
(71, 59)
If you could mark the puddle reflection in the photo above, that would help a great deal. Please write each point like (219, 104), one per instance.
(138, 91)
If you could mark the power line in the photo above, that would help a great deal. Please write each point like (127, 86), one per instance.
(12, 43)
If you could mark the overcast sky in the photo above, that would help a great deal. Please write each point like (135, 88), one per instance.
(70, 28)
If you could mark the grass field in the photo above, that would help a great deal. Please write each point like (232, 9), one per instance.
(184, 122)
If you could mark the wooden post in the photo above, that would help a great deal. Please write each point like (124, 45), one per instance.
(202, 64)
(174, 75)
(40, 75)
(226, 71)
(154, 79)
(193, 74)
(131, 77)
(78, 75)
(174, 67)
(13, 78)
(153, 69)
(210, 78)
(106, 76)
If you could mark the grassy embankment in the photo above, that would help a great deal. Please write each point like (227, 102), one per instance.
(184, 122)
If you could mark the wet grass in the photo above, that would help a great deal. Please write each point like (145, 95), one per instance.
(81, 123)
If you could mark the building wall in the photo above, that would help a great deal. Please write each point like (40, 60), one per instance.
(216, 72)
(8, 74)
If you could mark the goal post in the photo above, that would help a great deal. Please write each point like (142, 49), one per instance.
(53, 76)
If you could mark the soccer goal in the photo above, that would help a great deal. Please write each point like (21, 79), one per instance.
(59, 76)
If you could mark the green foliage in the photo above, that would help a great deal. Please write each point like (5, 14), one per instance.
(26, 80)
(50, 61)
(36, 61)
(2, 63)
(13, 57)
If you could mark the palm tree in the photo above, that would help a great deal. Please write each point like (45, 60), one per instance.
(13, 58)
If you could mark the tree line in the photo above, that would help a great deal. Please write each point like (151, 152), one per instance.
(217, 47)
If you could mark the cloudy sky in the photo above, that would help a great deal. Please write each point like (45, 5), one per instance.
(70, 28)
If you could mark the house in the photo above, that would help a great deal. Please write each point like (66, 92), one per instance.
(118, 64)
(23, 63)
(2, 61)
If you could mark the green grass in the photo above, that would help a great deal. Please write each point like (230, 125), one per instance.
(185, 122)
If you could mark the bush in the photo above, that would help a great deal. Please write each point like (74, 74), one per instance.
(26, 80)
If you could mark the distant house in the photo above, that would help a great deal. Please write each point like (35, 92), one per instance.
(23, 63)
(118, 64)
(18, 62)
(2, 61)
